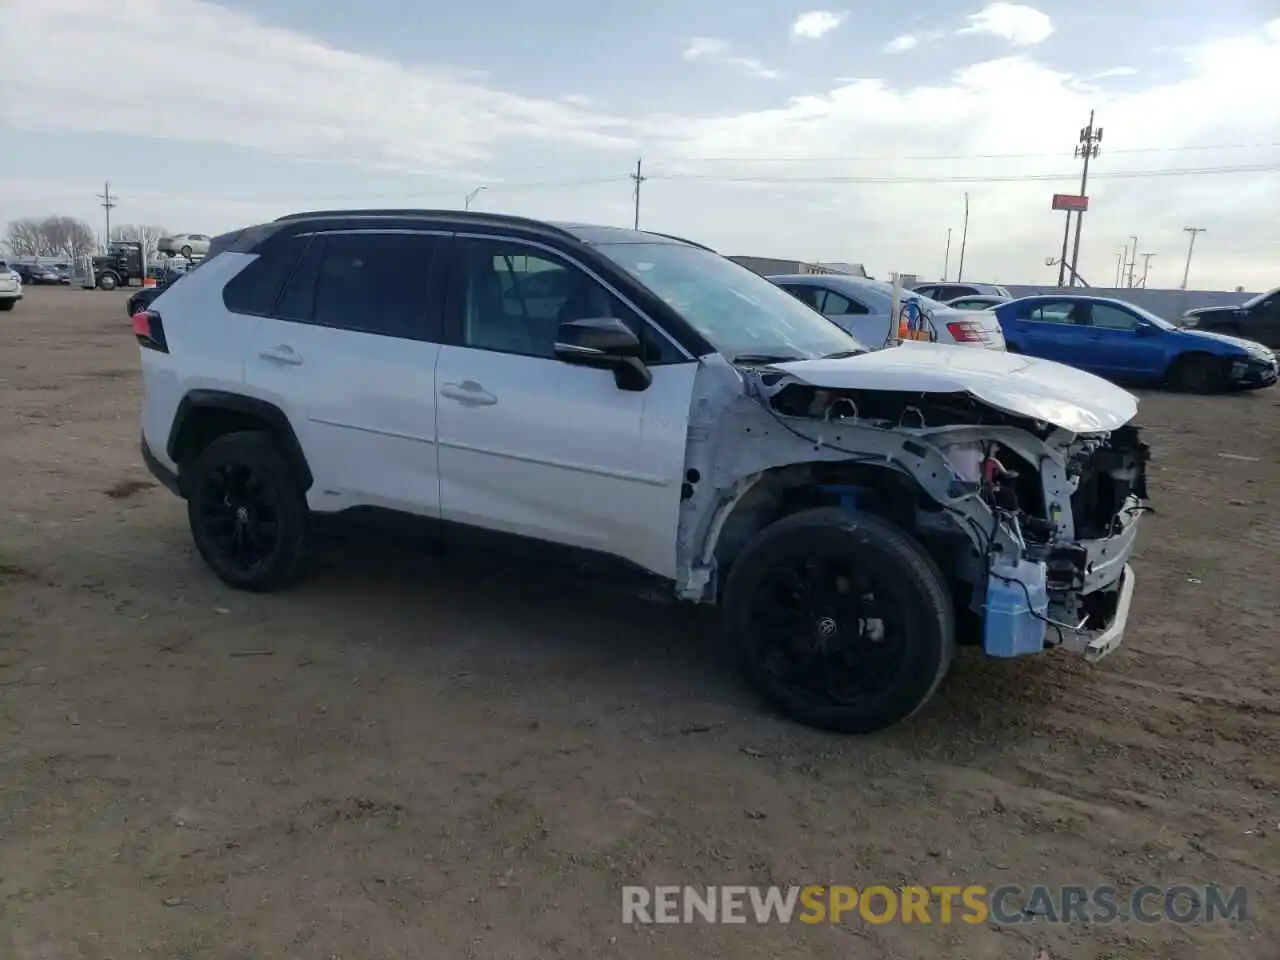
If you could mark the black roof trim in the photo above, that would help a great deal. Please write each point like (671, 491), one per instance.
(463, 216)
(692, 243)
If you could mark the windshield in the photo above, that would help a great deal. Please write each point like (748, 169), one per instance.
(1255, 300)
(741, 313)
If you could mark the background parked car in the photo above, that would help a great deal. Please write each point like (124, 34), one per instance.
(1121, 341)
(943, 291)
(10, 286)
(168, 272)
(983, 301)
(862, 306)
(184, 244)
(1258, 318)
(38, 274)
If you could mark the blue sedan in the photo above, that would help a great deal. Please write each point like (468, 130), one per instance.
(1121, 341)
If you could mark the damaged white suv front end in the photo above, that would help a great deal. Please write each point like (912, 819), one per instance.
(1024, 480)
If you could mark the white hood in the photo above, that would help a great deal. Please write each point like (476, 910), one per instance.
(1040, 389)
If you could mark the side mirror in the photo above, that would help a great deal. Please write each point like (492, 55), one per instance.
(605, 342)
(598, 341)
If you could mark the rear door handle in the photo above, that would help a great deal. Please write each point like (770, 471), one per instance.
(468, 393)
(281, 354)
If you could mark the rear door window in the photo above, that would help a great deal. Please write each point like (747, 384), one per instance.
(373, 283)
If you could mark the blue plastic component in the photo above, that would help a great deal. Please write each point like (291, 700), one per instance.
(1017, 603)
(847, 495)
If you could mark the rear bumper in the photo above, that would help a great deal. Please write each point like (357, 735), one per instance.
(167, 477)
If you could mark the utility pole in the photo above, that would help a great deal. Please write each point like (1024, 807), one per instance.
(1146, 268)
(946, 260)
(1087, 148)
(1133, 260)
(964, 237)
(639, 179)
(1186, 271)
(108, 204)
(1120, 264)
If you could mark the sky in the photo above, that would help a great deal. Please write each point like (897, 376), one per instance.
(848, 133)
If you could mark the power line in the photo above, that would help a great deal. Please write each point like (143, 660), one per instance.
(978, 178)
(857, 158)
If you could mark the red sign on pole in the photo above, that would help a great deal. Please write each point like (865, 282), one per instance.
(1070, 201)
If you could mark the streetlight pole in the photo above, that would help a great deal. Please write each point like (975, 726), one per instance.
(1146, 268)
(946, 259)
(466, 204)
(1120, 264)
(1186, 271)
(964, 237)
(1133, 260)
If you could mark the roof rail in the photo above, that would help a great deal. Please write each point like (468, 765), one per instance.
(476, 217)
(669, 236)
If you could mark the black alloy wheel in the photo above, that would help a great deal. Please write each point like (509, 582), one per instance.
(247, 512)
(841, 620)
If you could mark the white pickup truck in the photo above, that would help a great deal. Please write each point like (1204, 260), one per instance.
(634, 402)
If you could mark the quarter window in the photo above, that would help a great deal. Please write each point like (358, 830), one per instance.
(254, 289)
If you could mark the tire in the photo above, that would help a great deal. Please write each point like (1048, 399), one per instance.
(186, 252)
(916, 617)
(7, 305)
(254, 455)
(108, 281)
(1198, 374)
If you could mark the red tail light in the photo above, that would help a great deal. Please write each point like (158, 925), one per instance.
(149, 329)
(966, 331)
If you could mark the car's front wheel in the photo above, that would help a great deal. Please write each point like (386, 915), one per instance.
(248, 513)
(1198, 374)
(108, 281)
(841, 620)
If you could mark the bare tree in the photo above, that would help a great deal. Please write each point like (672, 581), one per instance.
(54, 236)
(149, 236)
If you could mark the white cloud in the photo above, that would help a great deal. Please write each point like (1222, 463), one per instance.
(1021, 25)
(210, 76)
(902, 44)
(1114, 72)
(202, 73)
(716, 50)
(816, 24)
(981, 123)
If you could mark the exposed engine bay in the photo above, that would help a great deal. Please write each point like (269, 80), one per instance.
(1021, 515)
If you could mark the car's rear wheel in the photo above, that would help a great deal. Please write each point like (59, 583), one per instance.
(1198, 374)
(840, 620)
(247, 512)
(186, 252)
(6, 305)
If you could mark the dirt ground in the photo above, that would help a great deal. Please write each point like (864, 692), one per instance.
(408, 758)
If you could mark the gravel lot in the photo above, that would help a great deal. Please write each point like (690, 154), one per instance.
(412, 758)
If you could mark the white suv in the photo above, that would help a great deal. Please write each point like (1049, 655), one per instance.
(645, 405)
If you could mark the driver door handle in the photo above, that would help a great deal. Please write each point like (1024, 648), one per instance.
(468, 393)
(281, 354)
